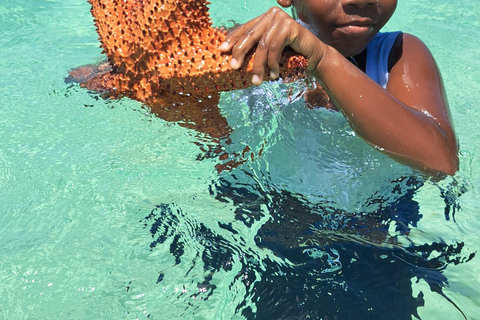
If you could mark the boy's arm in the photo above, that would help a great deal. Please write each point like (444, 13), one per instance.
(409, 121)
(416, 81)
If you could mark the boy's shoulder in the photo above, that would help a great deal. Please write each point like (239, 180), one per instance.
(405, 46)
(412, 47)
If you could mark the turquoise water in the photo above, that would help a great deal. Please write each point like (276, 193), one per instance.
(106, 211)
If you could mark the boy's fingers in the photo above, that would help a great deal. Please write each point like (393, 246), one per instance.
(266, 48)
(225, 46)
(233, 37)
(277, 45)
(250, 38)
(269, 33)
(242, 47)
(285, 37)
(245, 37)
(273, 64)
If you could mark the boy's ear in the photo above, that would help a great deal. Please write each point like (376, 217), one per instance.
(285, 3)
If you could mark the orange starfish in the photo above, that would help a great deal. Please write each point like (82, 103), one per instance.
(165, 54)
(162, 47)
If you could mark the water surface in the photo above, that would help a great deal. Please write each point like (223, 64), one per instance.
(109, 212)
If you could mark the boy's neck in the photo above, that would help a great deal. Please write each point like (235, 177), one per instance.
(359, 60)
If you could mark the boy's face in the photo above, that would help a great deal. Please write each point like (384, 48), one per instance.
(346, 25)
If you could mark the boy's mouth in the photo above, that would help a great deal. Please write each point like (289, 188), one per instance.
(356, 27)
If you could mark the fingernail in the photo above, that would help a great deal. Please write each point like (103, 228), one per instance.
(224, 46)
(234, 63)
(273, 75)
(256, 79)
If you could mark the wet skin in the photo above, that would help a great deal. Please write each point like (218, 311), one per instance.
(409, 120)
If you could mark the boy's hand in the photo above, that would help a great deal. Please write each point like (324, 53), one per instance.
(271, 32)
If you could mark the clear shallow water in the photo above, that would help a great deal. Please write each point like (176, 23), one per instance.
(107, 213)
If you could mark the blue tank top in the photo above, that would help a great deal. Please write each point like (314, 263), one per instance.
(378, 50)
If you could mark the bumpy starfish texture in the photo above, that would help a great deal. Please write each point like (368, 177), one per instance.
(160, 49)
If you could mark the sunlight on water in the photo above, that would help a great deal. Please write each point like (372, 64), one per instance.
(108, 211)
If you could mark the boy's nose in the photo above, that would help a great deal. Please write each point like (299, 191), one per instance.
(359, 3)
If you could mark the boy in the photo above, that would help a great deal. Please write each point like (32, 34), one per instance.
(387, 85)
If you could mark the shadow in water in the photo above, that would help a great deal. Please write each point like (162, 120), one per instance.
(326, 264)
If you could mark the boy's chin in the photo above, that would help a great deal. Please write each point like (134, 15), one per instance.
(352, 48)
